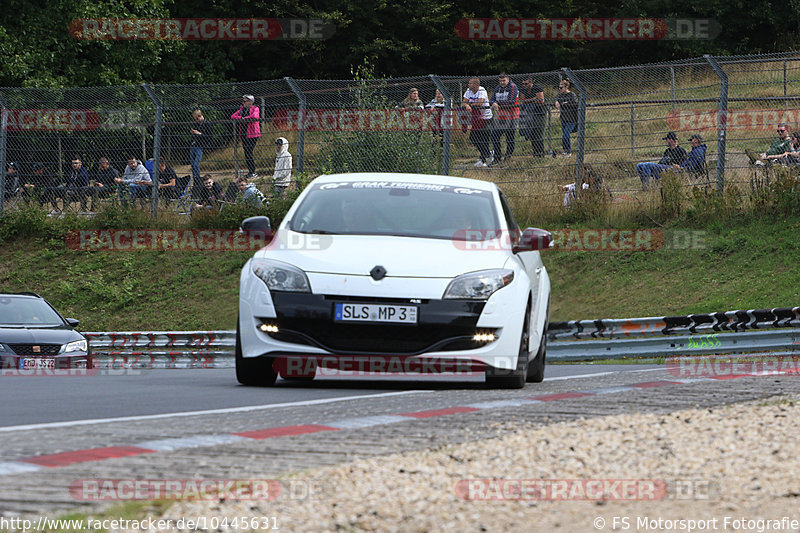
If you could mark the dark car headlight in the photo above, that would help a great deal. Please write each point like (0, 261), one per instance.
(478, 285)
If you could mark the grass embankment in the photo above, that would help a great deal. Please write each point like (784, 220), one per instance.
(749, 263)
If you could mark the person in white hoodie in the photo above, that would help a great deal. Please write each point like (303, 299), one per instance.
(282, 177)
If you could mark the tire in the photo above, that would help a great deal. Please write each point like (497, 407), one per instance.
(513, 379)
(253, 371)
(536, 367)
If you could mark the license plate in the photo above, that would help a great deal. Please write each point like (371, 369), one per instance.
(398, 314)
(38, 362)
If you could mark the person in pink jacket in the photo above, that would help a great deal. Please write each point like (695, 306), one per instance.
(248, 129)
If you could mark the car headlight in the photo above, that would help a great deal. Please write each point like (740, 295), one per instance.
(280, 276)
(2, 348)
(478, 285)
(75, 346)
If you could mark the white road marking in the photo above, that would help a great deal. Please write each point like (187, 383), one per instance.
(602, 374)
(72, 423)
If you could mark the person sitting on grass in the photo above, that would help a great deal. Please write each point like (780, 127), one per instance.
(249, 193)
(207, 194)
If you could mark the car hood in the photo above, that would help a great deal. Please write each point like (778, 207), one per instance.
(400, 256)
(10, 335)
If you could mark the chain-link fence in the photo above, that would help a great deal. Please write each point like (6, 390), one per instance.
(68, 149)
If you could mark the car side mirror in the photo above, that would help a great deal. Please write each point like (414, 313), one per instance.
(533, 239)
(259, 223)
(257, 227)
(73, 322)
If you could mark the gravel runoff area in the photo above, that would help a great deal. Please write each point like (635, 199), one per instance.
(727, 468)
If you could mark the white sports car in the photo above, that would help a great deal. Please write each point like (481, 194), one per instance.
(400, 266)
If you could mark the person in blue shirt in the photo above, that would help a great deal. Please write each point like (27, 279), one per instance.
(696, 160)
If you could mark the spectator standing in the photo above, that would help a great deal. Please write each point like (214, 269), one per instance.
(282, 177)
(533, 115)
(505, 107)
(167, 179)
(411, 101)
(201, 140)
(134, 182)
(436, 107)
(476, 102)
(567, 104)
(249, 130)
(673, 155)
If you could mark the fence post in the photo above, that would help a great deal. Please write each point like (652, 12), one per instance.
(785, 101)
(633, 131)
(579, 142)
(301, 122)
(722, 120)
(672, 85)
(3, 143)
(448, 108)
(156, 149)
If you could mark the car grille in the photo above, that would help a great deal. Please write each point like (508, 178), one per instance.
(375, 339)
(27, 349)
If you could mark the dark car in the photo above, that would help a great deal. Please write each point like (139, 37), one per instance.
(33, 335)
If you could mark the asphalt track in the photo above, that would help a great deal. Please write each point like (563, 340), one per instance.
(199, 423)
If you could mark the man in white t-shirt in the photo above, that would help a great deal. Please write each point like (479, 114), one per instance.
(476, 102)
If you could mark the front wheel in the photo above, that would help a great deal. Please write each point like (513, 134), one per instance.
(513, 379)
(536, 368)
(253, 371)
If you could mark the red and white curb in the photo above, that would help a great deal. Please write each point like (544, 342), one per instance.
(39, 462)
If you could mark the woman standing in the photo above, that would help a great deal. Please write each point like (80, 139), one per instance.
(567, 103)
(249, 133)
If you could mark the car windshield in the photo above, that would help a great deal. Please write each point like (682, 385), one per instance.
(395, 208)
(24, 311)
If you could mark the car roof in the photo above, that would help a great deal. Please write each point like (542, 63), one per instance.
(412, 178)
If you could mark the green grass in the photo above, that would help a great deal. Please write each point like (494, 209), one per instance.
(745, 262)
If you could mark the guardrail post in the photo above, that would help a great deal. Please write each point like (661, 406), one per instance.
(579, 142)
(3, 140)
(722, 120)
(156, 149)
(448, 108)
(301, 128)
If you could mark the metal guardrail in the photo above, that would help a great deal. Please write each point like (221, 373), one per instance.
(754, 330)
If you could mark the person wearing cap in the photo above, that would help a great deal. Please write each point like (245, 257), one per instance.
(39, 184)
(248, 128)
(282, 177)
(696, 160)
(673, 155)
(12, 179)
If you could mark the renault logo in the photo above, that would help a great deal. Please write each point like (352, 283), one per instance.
(378, 273)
